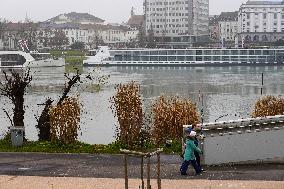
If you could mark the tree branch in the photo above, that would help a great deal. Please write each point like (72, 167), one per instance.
(7, 114)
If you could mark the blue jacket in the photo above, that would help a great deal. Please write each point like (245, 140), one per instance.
(189, 150)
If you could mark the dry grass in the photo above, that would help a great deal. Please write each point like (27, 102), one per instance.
(268, 106)
(127, 108)
(169, 116)
(65, 120)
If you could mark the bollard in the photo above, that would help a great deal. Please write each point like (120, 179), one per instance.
(17, 136)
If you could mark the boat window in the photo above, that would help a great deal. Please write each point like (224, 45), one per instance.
(154, 53)
(207, 58)
(225, 52)
(172, 58)
(180, 58)
(235, 52)
(12, 60)
(216, 58)
(198, 52)
(189, 58)
(251, 52)
(145, 53)
(92, 53)
(243, 52)
(154, 58)
(189, 52)
(136, 58)
(172, 52)
(181, 52)
(258, 52)
(145, 58)
(199, 58)
(163, 58)
(207, 52)
(216, 52)
(163, 52)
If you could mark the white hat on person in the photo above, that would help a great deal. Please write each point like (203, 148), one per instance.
(192, 134)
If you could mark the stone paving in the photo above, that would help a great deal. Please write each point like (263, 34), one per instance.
(19, 182)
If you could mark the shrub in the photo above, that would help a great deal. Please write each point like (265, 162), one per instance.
(268, 106)
(65, 120)
(127, 108)
(169, 114)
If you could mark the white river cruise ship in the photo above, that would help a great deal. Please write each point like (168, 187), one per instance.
(183, 57)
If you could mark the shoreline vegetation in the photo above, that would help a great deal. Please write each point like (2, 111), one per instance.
(71, 56)
(78, 147)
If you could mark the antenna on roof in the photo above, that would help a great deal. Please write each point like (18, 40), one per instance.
(27, 18)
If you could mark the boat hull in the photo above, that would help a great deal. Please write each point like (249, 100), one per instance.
(46, 63)
(189, 64)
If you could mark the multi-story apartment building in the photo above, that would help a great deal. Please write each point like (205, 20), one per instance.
(228, 25)
(177, 21)
(261, 21)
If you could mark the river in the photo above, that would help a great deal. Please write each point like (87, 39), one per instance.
(229, 93)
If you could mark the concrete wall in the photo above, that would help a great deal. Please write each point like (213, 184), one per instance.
(239, 141)
(244, 147)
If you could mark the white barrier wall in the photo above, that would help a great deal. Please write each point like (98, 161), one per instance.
(241, 141)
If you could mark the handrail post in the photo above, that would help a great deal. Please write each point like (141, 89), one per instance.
(142, 171)
(125, 170)
(159, 170)
(148, 172)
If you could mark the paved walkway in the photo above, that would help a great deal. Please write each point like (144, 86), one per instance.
(68, 171)
(15, 182)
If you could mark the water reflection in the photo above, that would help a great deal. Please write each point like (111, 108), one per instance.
(227, 91)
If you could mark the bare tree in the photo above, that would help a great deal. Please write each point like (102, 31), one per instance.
(44, 119)
(14, 88)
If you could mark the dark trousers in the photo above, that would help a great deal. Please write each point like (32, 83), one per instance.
(197, 156)
(185, 164)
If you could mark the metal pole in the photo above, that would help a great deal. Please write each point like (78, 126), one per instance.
(159, 171)
(125, 170)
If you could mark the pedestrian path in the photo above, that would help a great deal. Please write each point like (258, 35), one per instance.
(28, 182)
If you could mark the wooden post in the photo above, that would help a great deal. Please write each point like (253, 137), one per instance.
(159, 171)
(142, 171)
(148, 172)
(125, 170)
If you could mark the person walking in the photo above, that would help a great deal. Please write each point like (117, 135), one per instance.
(189, 157)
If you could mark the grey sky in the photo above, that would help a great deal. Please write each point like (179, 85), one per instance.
(110, 10)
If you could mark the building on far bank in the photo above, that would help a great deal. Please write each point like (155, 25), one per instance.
(228, 25)
(261, 22)
(223, 29)
(214, 30)
(75, 18)
(135, 21)
(177, 23)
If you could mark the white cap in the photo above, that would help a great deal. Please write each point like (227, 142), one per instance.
(192, 134)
